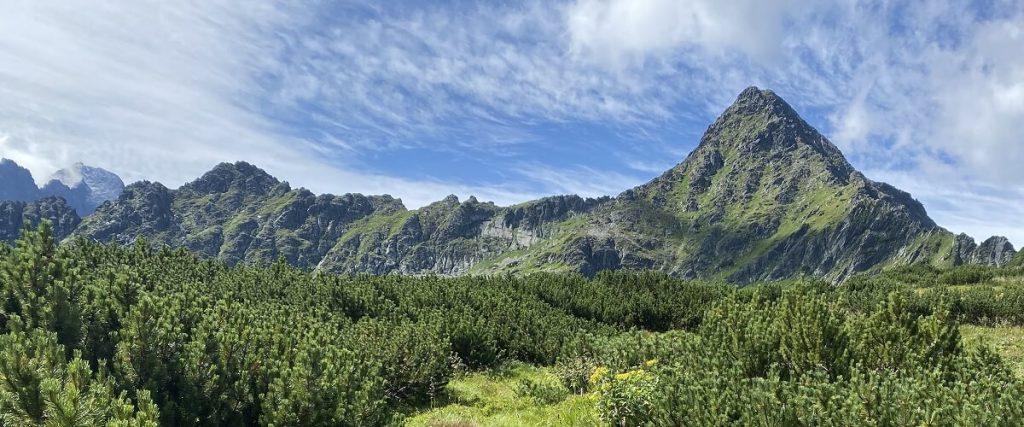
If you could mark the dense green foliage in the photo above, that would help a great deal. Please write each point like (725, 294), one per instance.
(972, 294)
(211, 345)
(101, 335)
(802, 359)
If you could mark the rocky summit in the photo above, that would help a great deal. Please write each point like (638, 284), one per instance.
(763, 197)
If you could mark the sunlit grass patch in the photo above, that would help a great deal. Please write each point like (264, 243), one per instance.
(1008, 341)
(497, 398)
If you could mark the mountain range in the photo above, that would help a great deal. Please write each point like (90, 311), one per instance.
(764, 196)
(83, 187)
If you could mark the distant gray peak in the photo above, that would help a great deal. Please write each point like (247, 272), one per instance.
(16, 182)
(85, 187)
(93, 177)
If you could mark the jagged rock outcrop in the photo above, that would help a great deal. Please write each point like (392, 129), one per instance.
(996, 251)
(14, 214)
(763, 197)
(142, 210)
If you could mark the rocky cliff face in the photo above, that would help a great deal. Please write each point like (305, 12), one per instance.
(14, 214)
(996, 251)
(452, 237)
(763, 197)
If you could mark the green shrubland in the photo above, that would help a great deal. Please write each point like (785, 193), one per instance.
(102, 335)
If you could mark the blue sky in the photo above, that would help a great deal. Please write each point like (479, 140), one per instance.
(509, 101)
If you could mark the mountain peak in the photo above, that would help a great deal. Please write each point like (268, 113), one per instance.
(226, 176)
(84, 187)
(104, 183)
(754, 92)
(17, 182)
(760, 126)
(763, 174)
(754, 101)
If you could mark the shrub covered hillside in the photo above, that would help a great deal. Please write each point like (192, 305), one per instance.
(101, 335)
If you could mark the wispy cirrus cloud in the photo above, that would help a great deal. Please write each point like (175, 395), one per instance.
(165, 90)
(162, 91)
(583, 181)
(401, 76)
(151, 89)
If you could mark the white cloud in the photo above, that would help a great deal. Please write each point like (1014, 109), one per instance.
(629, 31)
(979, 91)
(852, 125)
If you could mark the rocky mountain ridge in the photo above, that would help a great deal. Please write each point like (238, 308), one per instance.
(763, 197)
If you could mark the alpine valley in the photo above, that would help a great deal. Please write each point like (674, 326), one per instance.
(763, 197)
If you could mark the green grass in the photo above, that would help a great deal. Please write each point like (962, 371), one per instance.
(494, 263)
(1008, 341)
(1003, 281)
(277, 204)
(936, 247)
(385, 225)
(493, 399)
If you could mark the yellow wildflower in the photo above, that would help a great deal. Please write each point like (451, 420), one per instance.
(598, 375)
